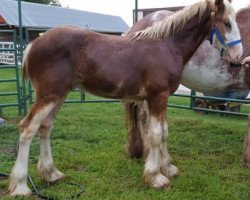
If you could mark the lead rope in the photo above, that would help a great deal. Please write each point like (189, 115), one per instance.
(38, 193)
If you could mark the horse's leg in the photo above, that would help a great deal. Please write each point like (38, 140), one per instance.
(144, 121)
(28, 128)
(168, 169)
(152, 171)
(134, 140)
(45, 165)
(246, 151)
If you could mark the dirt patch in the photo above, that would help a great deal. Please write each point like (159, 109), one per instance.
(80, 168)
(7, 150)
(2, 192)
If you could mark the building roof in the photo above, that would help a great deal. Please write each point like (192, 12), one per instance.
(47, 16)
(172, 8)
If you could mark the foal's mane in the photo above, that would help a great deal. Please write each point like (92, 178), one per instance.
(174, 23)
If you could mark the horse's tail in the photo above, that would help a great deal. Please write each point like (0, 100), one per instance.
(134, 140)
(25, 62)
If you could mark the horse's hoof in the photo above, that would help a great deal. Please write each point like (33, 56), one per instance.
(159, 182)
(19, 190)
(55, 176)
(246, 156)
(170, 171)
(52, 176)
(247, 163)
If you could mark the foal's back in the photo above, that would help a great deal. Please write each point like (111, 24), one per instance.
(105, 65)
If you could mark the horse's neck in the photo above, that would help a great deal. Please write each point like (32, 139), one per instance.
(190, 38)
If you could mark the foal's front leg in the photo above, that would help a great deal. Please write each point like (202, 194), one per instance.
(167, 168)
(152, 172)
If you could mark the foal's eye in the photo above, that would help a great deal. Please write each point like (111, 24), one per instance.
(228, 25)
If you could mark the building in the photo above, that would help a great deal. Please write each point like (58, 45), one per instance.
(143, 12)
(38, 18)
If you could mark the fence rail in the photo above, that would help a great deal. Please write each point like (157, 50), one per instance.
(224, 101)
(7, 53)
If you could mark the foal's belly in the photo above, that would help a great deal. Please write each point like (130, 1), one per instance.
(110, 89)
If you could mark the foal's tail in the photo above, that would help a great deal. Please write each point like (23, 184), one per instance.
(134, 140)
(24, 64)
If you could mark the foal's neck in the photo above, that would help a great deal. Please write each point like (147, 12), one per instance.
(193, 34)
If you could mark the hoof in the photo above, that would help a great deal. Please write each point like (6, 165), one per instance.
(52, 175)
(159, 182)
(170, 171)
(246, 163)
(246, 157)
(19, 190)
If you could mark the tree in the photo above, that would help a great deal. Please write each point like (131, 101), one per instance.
(48, 2)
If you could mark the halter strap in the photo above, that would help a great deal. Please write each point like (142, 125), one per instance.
(215, 31)
(233, 43)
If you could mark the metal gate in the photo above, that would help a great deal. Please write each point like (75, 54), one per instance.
(191, 104)
(11, 90)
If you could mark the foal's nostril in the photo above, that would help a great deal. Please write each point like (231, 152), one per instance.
(237, 57)
(231, 57)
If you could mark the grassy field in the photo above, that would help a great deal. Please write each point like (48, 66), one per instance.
(88, 146)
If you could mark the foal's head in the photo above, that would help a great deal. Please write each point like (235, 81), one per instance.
(225, 34)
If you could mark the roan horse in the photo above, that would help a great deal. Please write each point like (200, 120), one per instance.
(205, 72)
(145, 66)
(218, 76)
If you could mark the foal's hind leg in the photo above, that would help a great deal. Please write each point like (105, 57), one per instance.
(134, 140)
(45, 163)
(28, 128)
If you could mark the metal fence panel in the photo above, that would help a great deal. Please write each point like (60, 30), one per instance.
(8, 54)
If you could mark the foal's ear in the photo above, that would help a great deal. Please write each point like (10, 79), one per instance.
(219, 2)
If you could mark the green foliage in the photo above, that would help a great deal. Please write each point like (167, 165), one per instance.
(50, 2)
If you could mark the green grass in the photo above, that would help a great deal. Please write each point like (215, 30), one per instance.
(88, 146)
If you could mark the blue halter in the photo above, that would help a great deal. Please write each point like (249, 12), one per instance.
(217, 33)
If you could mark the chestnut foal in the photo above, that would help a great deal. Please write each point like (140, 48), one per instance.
(143, 67)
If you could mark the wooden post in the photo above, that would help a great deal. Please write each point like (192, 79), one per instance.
(136, 11)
